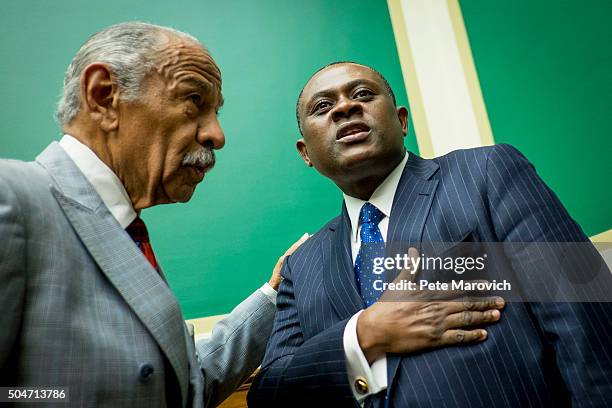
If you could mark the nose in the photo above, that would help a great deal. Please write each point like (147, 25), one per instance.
(210, 132)
(345, 108)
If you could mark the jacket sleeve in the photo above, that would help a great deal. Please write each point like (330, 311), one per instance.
(524, 210)
(12, 274)
(294, 368)
(235, 348)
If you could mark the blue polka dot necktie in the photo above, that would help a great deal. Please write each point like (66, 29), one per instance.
(372, 246)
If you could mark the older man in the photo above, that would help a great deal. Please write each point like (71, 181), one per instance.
(334, 343)
(85, 306)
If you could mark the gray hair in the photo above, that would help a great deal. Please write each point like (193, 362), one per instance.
(127, 48)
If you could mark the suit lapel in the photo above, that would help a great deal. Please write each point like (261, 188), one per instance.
(411, 203)
(411, 206)
(120, 260)
(338, 269)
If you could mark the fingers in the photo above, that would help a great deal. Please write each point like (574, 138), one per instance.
(292, 249)
(469, 318)
(410, 272)
(454, 337)
(404, 275)
(276, 277)
(413, 255)
(475, 304)
(296, 245)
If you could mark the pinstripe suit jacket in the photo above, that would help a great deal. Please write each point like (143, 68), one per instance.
(539, 354)
(82, 308)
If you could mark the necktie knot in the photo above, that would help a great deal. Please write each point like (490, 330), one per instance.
(138, 230)
(370, 214)
(139, 234)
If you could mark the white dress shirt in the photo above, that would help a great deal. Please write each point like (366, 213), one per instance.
(356, 363)
(111, 190)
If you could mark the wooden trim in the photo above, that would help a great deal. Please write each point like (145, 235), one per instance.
(238, 397)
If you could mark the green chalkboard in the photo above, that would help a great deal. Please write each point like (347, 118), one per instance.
(223, 244)
(544, 68)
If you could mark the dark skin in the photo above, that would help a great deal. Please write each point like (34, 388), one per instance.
(354, 135)
(343, 94)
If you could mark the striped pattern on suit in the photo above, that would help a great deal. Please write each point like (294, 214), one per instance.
(539, 354)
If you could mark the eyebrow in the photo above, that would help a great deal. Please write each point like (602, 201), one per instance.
(198, 83)
(329, 92)
(205, 86)
(349, 85)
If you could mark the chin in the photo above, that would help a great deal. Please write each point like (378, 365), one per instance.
(359, 159)
(183, 195)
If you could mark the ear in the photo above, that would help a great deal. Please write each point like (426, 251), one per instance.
(100, 96)
(402, 115)
(301, 146)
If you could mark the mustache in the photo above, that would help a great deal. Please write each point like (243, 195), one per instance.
(204, 157)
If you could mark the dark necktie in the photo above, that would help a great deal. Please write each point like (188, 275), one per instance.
(138, 231)
(372, 246)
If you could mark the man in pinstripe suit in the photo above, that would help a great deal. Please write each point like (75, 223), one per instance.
(327, 350)
(82, 309)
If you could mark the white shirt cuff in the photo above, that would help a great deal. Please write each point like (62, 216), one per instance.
(269, 292)
(357, 366)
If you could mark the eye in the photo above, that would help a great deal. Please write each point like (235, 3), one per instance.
(362, 93)
(320, 106)
(196, 99)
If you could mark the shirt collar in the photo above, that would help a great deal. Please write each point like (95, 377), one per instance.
(382, 197)
(102, 178)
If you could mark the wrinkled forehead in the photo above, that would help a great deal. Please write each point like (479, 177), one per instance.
(182, 59)
(334, 78)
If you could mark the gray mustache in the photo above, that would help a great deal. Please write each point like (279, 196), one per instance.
(203, 157)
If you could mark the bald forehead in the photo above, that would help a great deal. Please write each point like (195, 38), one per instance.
(337, 76)
(181, 59)
(178, 54)
(339, 70)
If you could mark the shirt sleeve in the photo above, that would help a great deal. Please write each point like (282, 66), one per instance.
(269, 292)
(357, 367)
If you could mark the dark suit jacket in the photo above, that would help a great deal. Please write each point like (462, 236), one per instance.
(539, 354)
